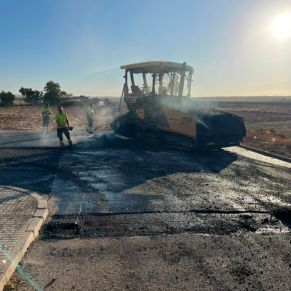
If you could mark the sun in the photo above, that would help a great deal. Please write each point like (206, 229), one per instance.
(281, 26)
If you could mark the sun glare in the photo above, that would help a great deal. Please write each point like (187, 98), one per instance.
(281, 26)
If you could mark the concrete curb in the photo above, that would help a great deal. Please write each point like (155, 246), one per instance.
(266, 153)
(28, 237)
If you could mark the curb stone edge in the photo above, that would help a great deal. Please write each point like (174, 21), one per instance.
(29, 235)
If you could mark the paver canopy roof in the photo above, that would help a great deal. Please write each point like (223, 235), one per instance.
(156, 67)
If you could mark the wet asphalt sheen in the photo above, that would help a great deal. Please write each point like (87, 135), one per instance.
(111, 186)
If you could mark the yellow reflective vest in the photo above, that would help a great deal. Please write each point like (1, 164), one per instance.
(90, 112)
(46, 111)
(61, 119)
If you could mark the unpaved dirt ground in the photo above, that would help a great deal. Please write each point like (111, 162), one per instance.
(29, 118)
(126, 217)
(267, 123)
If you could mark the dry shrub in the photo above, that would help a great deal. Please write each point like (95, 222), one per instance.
(268, 136)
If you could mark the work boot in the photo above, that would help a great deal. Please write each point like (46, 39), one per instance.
(62, 144)
(70, 142)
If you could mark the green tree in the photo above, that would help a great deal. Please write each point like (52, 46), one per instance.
(53, 93)
(7, 98)
(31, 96)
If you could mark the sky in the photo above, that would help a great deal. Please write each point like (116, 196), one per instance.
(81, 44)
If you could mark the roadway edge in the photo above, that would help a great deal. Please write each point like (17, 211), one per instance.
(28, 237)
(266, 153)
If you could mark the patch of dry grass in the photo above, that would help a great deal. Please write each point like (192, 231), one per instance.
(269, 140)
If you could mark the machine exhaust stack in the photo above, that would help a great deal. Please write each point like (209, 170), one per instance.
(182, 81)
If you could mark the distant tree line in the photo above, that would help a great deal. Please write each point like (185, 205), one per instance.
(52, 94)
(6, 98)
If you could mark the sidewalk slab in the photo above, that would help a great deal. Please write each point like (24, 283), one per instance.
(22, 214)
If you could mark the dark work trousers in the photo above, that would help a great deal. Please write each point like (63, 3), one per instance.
(90, 121)
(64, 131)
(45, 121)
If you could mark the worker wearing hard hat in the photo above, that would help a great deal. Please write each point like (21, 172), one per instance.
(63, 126)
(45, 112)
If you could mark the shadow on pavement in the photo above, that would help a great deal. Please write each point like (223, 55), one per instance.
(30, 169)
(103, 166)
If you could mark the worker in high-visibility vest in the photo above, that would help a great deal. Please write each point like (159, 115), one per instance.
(45, 112)
(63, 126)
(89, 110)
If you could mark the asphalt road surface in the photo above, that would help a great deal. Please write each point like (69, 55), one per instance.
(129, 217)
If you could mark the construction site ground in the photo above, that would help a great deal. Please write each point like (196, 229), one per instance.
(129, 217)
(267, 120)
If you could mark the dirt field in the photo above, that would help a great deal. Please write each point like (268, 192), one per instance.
(268, 124)
(29, 118)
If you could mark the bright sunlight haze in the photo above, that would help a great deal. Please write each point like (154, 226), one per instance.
(281, 26)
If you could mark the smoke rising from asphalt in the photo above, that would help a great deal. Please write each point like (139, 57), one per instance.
(103, 117)
(189, 104)
(192, 105)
